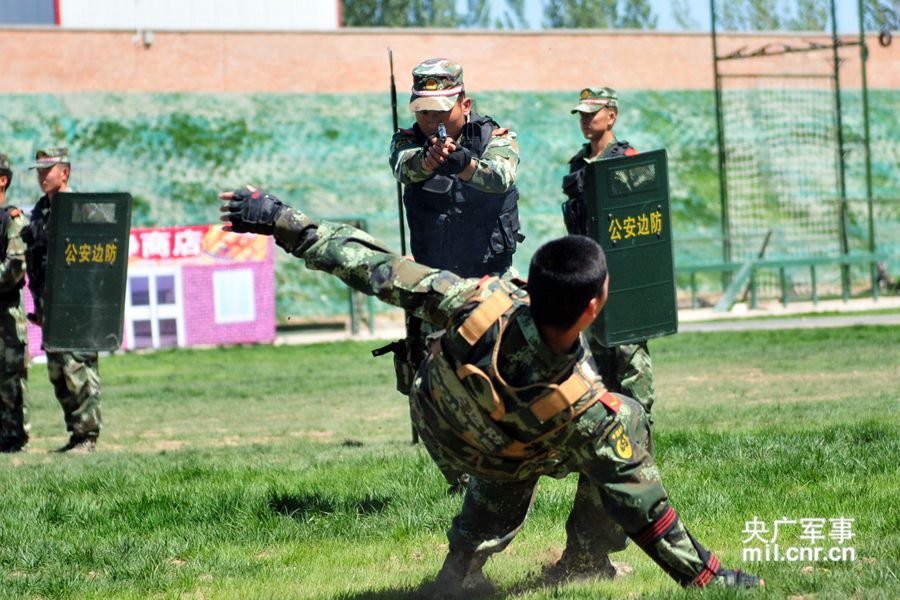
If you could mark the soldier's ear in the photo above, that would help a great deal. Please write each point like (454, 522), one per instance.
(589, 313)
(613, 115)
(466, 105)
(595, 306)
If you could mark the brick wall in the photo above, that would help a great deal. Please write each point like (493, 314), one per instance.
(59, 61)
(200, 327)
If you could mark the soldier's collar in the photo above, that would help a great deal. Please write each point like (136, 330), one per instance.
(543, 352)
(582, 153)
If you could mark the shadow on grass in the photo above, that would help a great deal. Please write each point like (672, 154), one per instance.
(303, 506)
(427, 591)
(385, 594)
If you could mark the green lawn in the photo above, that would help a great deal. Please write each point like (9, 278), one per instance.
(286, 472)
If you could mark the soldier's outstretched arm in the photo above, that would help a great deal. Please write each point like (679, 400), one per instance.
(352, 255)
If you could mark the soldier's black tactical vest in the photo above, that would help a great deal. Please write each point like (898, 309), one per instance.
(6, 215)
(457, 227)
(35, 237)
(574, 209)
(467, 413)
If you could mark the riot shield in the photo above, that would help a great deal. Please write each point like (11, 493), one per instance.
(87, 263)
(628, 214)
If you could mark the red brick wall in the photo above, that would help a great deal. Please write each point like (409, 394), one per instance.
(48, 60)
(200, 327)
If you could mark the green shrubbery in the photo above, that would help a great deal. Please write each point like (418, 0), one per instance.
(328, 154)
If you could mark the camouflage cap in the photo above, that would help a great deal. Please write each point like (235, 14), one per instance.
(47, 157)
(591, 100)
(437, 83)
(4, 162)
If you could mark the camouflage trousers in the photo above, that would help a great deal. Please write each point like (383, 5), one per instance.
(625, 369)
(619, 490)
(76, 381)
(14, 420)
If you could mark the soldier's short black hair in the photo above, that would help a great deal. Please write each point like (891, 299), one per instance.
(8, 174)
(565, 274)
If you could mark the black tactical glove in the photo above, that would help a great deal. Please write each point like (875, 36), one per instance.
(457, 162)
(252, 211)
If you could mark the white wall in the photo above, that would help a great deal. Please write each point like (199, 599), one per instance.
(201, 15)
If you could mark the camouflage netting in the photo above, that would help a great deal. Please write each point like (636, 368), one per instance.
(328, 154)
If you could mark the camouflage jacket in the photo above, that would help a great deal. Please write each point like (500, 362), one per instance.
(12, 254)
(507, 417)
(494, 400)
(495, 173)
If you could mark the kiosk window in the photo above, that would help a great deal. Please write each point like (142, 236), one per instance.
(140, 291)
(165, 289)
(233, 294)
(168, 333)
(143, 334)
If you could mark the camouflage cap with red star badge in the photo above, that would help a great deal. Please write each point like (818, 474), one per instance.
(47, 157)
(591, 100)
(437, 83)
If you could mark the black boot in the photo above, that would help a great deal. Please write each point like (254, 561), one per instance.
(11, 446)
(79, 444)
(461, 576)
(568, 568)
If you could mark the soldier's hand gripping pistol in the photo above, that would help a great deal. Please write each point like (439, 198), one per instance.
(458, 160)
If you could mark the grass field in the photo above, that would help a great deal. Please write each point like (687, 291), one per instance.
(286, 472)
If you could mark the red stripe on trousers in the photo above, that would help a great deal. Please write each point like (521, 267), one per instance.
(709, 571)
(657, 529)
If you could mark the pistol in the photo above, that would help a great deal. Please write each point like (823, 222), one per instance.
(441, 133)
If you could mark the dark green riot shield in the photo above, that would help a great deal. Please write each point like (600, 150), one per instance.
(87, 264)
(628, 213)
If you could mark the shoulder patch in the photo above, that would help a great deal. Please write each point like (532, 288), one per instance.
(620, 443)
(631, 152)
(407, 131)
(15, 213)
(500, 131)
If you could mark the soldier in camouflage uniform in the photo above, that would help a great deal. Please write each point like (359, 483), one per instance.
(14, 422)
(509, 392)
(460, 192)
(627, 368)
(460, 195)
(75, 375)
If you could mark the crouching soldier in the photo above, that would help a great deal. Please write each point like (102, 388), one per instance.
(509, 393)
